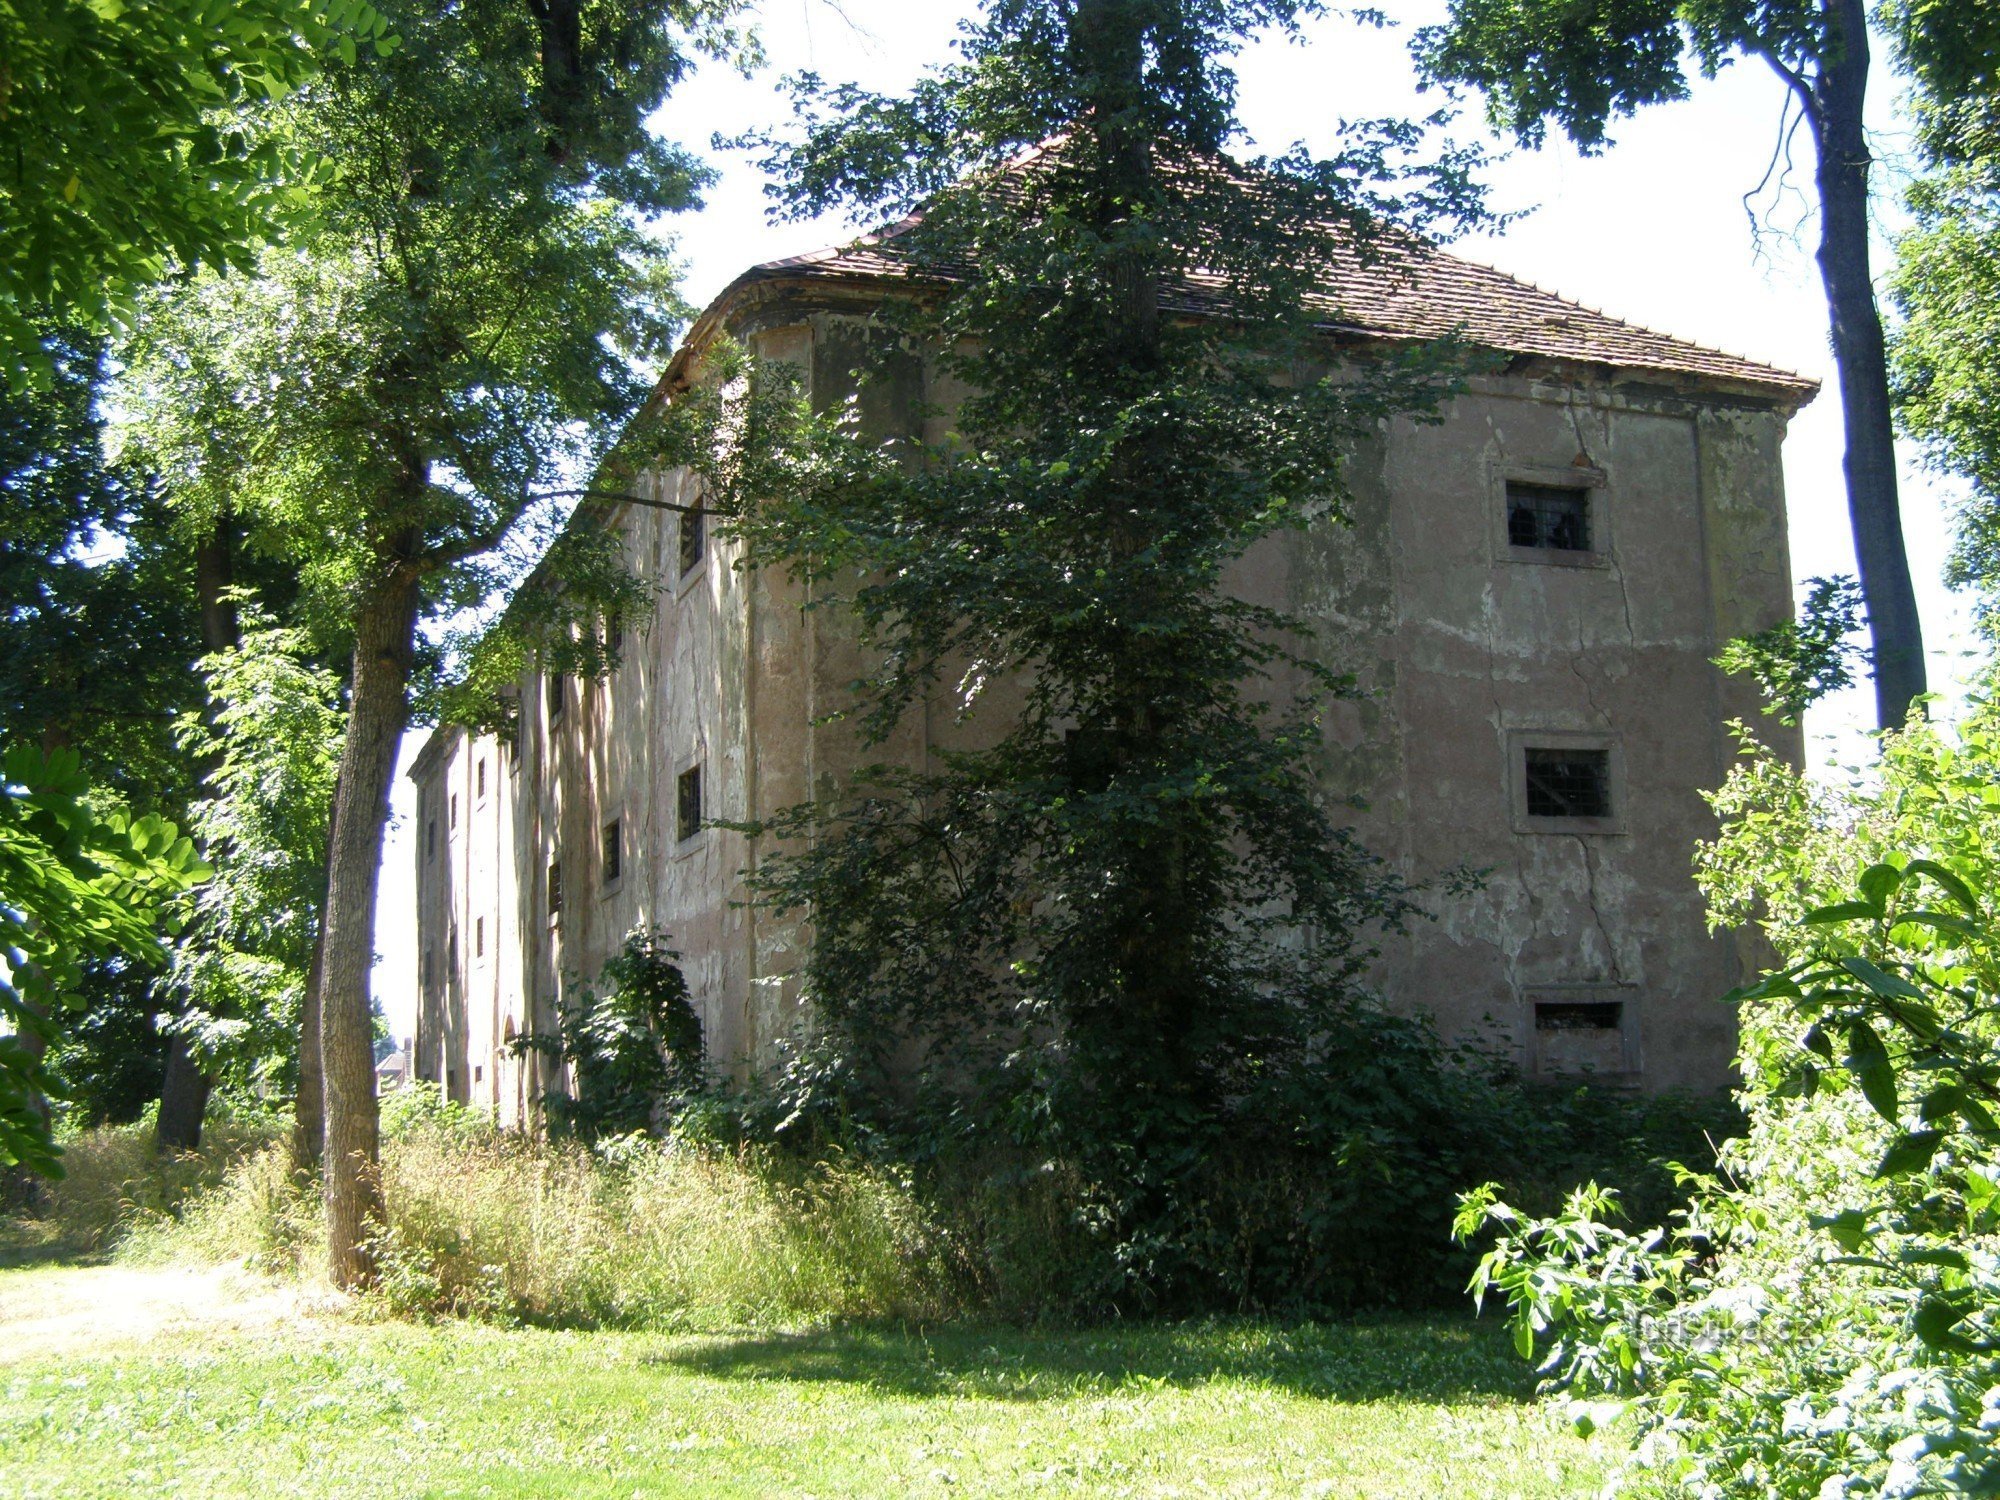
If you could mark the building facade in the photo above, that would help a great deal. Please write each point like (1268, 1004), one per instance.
(1531, 595)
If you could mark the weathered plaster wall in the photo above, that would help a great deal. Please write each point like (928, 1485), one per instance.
(1464, 650)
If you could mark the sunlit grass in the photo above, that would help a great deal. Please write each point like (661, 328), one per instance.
(1416, 1408)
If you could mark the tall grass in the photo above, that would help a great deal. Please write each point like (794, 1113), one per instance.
(114, 1180)
(637, 1233)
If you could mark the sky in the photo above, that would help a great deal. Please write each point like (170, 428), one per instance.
(1654, 230)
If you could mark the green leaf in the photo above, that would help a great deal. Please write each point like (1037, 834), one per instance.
(1878, 883)
(1934, 1255)
(1943, 921)
(1909, 1153)
(1954, 887)
(1524, 1338)
(1868, 1059)
(1840, 911)
(1934, 1320)
(1849, 1228)
(1880, 981)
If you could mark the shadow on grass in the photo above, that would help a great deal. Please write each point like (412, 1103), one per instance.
(1431, 1360)
(29, 1242)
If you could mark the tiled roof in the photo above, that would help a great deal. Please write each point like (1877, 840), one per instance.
(1413, 291)
(1403, 288)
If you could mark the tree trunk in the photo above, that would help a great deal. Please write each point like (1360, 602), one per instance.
(184, 1091)
(186, 1085)
(385, 627)
(1873, 511)
(309, 1110)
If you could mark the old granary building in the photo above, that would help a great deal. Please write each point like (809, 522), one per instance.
(1532, 595)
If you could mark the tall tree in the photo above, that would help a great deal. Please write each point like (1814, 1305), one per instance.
(387, 399)
(125, 133)
(1583, 65)
(1947, 280)
(1105, 905)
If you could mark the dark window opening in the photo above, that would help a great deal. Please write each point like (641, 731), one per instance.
(479, 937)
(1551, 516)
(1579, 1015)
(478, 1074)
(555, 886)
(557, 697)
(480, 777)
(690, 802)
(613, 852)
(1569, 783)
(614, 638)
(694, 539)
(451, 952)
(454, 809)
(431, 839)
(430, 967)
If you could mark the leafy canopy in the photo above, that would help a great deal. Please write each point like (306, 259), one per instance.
(133, 142)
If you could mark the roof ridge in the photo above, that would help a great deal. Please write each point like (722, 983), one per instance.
(1440, 292)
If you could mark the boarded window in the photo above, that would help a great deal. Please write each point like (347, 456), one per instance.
(614, 852)
(694, 539)
(1568, 783)
(555, 886)
(1551, 516)
(689, 821)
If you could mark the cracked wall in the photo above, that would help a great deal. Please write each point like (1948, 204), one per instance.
(1463, 650)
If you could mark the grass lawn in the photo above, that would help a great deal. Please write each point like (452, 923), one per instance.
(100, 1396)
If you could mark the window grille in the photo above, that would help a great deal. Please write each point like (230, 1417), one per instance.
(614, 852)
(694, 540)
(690, 802)
(1568, 783)
(1550, 516)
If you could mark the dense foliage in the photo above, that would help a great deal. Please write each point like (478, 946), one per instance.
(129, 134)
(1947, 282)
(454, 334)
(1825, 1318)
(270, 743)
(75, 883)
(631, 1043)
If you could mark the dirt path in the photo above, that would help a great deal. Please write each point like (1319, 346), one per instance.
(49, 1310)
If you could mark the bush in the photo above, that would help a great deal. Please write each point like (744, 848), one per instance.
(1331, 1192)
(1823, 1320)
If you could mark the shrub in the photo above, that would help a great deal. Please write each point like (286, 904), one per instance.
(1823, 1320)
(1330, 1193)
(632, 1041)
